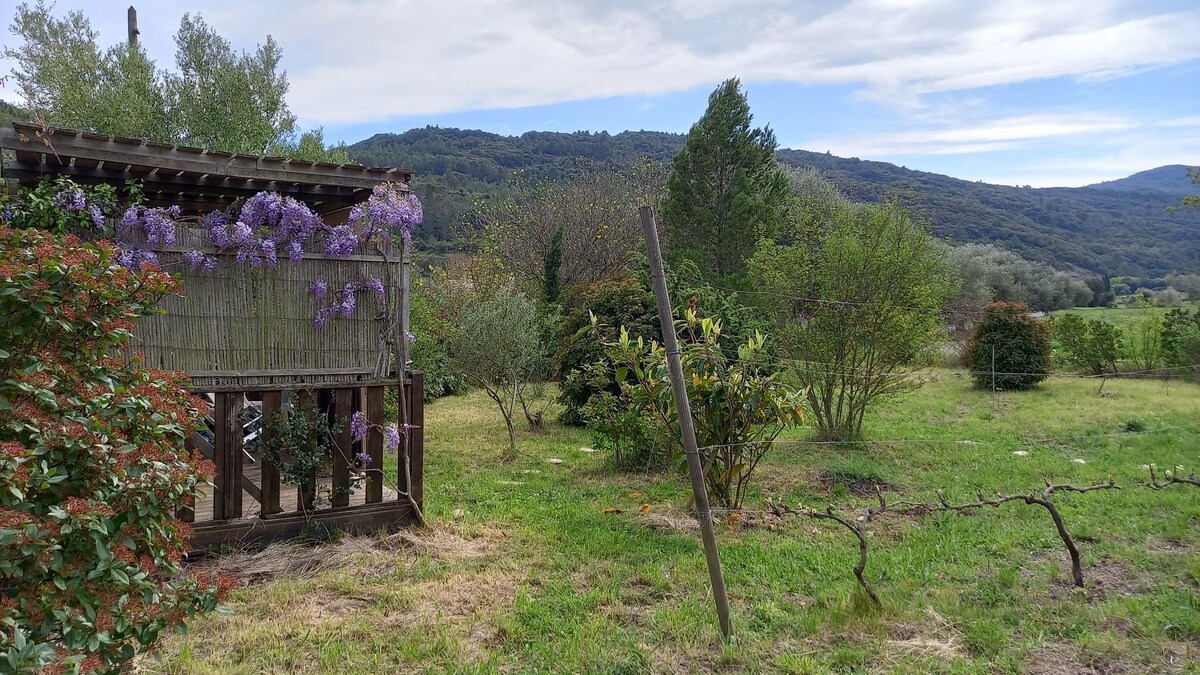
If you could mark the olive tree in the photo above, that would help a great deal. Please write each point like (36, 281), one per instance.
(500, 348)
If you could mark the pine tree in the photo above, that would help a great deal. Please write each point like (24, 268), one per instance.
(726, 190)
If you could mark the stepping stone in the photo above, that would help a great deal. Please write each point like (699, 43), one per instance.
(588, 450)
(1020, 453)
(554, 460)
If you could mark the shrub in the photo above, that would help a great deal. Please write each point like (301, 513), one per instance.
(1181, 337)
(739, 406)
(1144, 341)
(616, 302)
(633, 440)
(1091, 344)
(429, 354)
(1009, 348)
(499, 347)
(92, 462)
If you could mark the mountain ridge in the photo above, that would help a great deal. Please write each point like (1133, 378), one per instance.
(1121, 227)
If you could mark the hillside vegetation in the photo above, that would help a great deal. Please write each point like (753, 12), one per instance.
(1122, 227)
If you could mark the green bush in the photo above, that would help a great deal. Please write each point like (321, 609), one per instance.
(1009, 349)
(432, 330)
(1181, 337)
(615, 302)
(634, 442)
(92, 463)
(739, 406)
(1091, 344)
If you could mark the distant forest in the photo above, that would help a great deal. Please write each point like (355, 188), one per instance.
(1124, 227)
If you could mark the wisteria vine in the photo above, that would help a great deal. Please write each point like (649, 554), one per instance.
(256, 231)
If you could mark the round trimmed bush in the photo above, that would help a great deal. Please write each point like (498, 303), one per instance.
(1019, 343)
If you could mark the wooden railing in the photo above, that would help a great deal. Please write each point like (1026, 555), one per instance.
(249, 502)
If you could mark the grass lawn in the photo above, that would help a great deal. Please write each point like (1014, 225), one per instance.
(524, 572)
(1122, 314)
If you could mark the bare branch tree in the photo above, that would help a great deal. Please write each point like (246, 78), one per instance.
(1172, 478)
(1044, 498)
(857, 527)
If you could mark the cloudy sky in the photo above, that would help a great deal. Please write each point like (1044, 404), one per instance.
(1039, 92)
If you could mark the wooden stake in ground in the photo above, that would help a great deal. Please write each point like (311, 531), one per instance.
(666, 319)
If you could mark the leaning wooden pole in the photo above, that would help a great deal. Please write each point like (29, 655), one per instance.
(666, 319)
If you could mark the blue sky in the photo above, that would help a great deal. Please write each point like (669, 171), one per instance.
(1042, 93)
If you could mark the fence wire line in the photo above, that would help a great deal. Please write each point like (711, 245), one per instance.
(792, 364)
(956, 441)
(860, 303)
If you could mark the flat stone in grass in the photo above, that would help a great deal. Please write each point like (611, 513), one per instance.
(554, 460)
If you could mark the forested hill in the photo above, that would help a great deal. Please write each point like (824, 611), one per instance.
(1172, 179)
(1121, 227)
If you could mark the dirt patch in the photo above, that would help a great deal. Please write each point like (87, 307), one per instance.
(335, 607)
(1171, 546)
(1102, 578)
(462, 601)
(858, 486)
(665, 522)
(936, 638)
(373, 554)
(1056, 659)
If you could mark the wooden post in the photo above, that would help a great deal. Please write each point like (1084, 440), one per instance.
(271, 408)
(343, 408)
(405, 326)
(227, 452)
(133, 29)
(375, 444)
(188, 512)
(666, 319)
(416, 438)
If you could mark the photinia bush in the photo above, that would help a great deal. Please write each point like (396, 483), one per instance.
(92, 463)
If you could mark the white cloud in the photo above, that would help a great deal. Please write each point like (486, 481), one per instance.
(992, 135)
(370, 60)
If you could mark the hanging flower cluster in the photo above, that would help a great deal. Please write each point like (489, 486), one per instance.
(346, 300)
(257, 231)
(266, 225)
(388, 212)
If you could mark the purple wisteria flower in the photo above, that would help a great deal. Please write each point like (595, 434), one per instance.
(358, 426)
(346, 306)
(389, 210)
(319, 288)
(70, 199)
(391, 438)
(6, 214)
(323, 316)
(409, 337)
(97, 215)
(363, 459)
(341, 241)
(157, 225)
(375, 286)
(134, 258)
(198, 261)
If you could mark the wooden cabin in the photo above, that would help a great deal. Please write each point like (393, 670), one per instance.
(247, 339)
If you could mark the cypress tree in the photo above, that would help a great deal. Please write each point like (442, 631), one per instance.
(552, 265)
(725, 191)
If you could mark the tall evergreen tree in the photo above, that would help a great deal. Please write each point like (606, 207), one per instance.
(725, 190)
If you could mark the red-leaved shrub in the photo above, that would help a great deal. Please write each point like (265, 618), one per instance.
(92, 463)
